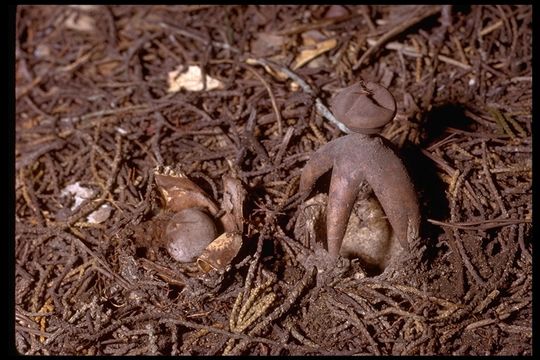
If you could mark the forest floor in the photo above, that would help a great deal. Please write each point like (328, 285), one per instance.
(99, 107)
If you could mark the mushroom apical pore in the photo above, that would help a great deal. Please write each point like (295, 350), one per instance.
(188, 233)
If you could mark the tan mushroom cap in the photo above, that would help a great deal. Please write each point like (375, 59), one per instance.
(362, 111)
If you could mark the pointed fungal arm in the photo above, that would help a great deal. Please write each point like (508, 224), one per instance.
(368, 157)
(388, 177)
(321, 161)
(342, 195)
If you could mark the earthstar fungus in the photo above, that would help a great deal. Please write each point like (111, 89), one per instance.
(188, 227)
(365, 109)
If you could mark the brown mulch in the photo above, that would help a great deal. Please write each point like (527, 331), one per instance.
(93, 110)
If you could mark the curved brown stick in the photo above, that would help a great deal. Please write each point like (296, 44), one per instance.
(342, 195)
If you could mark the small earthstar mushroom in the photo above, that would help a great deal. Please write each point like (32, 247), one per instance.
(365, 109)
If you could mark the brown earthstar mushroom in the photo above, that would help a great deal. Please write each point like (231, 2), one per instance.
(365, 109)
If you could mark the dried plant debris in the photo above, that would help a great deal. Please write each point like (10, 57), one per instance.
(191, 80)
(315, 44)
(80, 22)
(77, 194)
(237, 100)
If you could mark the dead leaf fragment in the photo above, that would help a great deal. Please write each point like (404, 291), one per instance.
(100, 215)
(80, 22)
(191, 80)
(77, 194)
(313, 51)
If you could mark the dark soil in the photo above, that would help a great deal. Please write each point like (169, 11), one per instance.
(92, 108)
